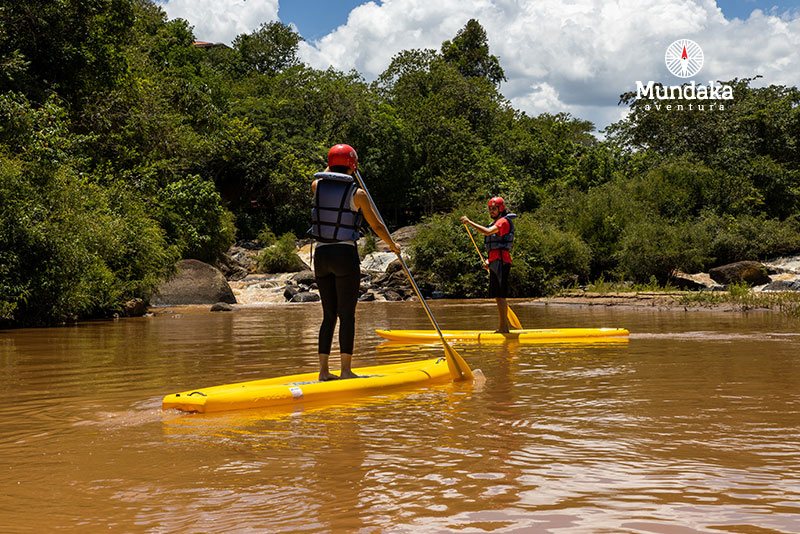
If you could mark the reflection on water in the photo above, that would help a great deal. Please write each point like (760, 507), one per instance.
(690, 425)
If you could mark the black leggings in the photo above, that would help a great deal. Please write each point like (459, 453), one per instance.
(338, 274)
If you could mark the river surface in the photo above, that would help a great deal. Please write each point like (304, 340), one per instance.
(691, 425)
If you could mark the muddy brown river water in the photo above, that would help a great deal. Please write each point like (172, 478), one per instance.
(690, 425)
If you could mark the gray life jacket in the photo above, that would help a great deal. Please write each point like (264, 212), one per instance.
(332, 220)
(502, 242)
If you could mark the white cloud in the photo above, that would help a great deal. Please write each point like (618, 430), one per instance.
(219, 21)
(576, 56)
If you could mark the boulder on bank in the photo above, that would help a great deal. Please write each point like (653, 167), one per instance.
(752, 272)
(783, 285)
(195, 283)
(305, 296)
(134, 308)
(694, 282)
(401, 236)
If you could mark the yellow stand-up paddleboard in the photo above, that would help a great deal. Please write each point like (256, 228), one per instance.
(305, 387)
(478, 336)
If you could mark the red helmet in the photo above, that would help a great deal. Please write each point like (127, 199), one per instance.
(343, 155)
(499, 202)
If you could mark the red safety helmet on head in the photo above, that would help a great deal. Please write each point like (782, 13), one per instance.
(499, 202)
(343, 155)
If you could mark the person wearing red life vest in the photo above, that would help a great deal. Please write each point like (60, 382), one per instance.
(498, 237)
(340, 206)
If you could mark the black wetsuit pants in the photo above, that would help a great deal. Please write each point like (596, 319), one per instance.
(338, 273)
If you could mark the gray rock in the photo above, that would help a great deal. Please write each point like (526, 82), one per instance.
(396, 266)
(289, 292)
(304, 277)
(378, 261)
(221, 307)
(694, 282)
(783, 285)
(752, 272)
(369, 296)
(134, 308)
(194, 283)
(392, 295)
(305, 297)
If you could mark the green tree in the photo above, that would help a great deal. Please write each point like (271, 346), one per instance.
(268, 50)
(469, 53)
(192, 214)
(72, 47)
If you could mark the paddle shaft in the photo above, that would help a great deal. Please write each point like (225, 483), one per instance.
(474, 243)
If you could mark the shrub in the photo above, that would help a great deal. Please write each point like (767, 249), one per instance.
(267, 237)
(370, 245)
(728, 239)
(280, 257)
(192, 214)
(71, 248)
(445, 258)
(544, 258)
(651, 247)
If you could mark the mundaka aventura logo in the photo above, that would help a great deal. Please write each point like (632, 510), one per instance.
(684, 59)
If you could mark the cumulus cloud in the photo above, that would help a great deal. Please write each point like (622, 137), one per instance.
(219, 21)
(575, 56)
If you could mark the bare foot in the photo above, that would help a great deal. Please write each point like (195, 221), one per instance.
(501, 331)
(349, 374)
(324, 377)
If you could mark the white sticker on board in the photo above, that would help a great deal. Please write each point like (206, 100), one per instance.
(297, 393)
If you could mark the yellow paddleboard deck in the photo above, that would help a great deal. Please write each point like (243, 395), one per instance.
(305, 387)
(478, 336)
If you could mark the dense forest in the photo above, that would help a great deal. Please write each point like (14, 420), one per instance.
(124, 147)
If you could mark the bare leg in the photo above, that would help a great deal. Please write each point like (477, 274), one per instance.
(324, 372)
(346, 371)
(502, 310)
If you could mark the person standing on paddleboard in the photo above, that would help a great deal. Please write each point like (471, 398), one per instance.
(499, 236)
(340, 207)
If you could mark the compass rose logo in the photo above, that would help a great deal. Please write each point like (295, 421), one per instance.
(684, 58)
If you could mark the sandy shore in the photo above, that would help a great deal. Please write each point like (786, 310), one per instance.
(652, 300)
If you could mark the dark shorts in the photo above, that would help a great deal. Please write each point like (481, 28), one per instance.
(499, 273)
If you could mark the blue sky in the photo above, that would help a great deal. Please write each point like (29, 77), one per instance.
(316, 18)
(573, 56)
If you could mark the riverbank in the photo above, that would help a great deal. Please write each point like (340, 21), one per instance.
(719, 301)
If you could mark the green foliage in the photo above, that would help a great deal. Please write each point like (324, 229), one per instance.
(70, 47)
(71, 248)
(124, 146)
(268, 50)
(469, 53)
(651, 248)
(544, 258)
(195, 220)
(444, 256)
(267, 237)
(369, 246)
(727, 239)
(280, 257)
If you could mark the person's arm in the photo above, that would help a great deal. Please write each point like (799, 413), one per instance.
(362, 202)
(482, 229)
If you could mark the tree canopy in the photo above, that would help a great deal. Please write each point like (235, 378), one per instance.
(124, 147)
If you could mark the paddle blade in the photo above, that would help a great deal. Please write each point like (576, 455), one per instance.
(513, 320)
(459, 370)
